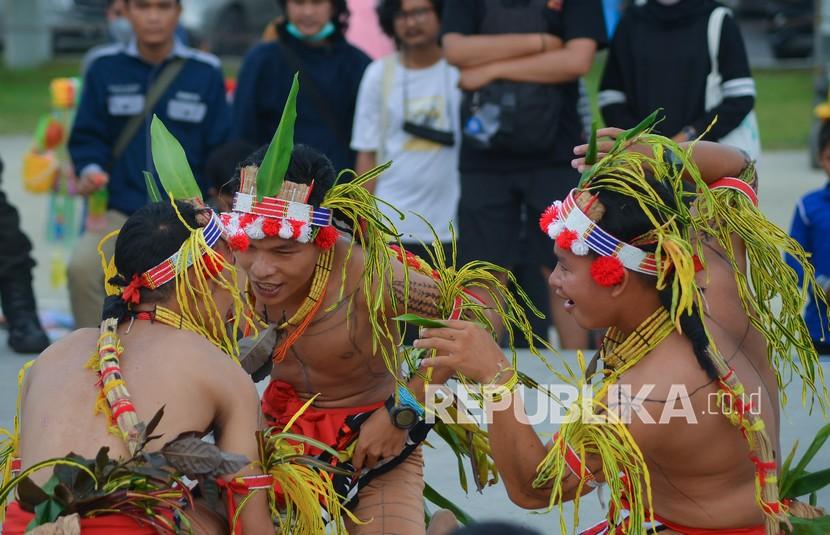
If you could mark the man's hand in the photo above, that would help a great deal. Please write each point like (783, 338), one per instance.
(91, 182)
(379, 439)
(474, 78)
(603, 146)
(465, 347)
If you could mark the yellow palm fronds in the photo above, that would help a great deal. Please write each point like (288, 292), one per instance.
(302, 484)
(10, 440)
(594, 431)
(373, 230)
(789, 346)
(194, 286)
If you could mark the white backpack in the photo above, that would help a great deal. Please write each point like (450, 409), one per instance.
(746, 136)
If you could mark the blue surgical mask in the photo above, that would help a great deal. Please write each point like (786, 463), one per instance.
(324, 33)
(120, 30)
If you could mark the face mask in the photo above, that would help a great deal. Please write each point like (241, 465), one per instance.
(325, 33)
(120, 30)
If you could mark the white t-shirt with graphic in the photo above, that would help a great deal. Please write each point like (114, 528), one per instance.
(423, 177)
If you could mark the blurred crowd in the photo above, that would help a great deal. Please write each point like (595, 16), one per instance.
(478, 104)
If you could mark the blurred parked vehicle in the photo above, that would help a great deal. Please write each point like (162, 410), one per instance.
(791, 26)
(227, 26)
(75, 25)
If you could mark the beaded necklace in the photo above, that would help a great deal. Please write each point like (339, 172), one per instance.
(173, 319)
(621, 353)
(318, 287)
(302, 318)
(168, 317)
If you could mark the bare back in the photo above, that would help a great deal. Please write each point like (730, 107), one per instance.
(700, 470)
(200, 388)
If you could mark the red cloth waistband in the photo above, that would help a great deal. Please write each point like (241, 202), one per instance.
(280, 402)
(17, 520)
(685, 530)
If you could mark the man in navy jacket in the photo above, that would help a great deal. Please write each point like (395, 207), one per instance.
(193, 107)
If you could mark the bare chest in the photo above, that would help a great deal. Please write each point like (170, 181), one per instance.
(334, 358)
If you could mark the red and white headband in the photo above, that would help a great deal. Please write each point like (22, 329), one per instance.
(254, 219)
(573, 230)
(166, 270)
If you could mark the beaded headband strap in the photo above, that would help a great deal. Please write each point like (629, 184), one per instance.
(282, 209)
(573, 230)
(287, 215)
(166, 270)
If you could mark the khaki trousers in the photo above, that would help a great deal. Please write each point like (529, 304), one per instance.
(85, 276)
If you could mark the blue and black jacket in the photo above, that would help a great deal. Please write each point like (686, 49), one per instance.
(193, 108)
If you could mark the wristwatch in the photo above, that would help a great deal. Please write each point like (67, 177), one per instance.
(406, 413)
(403, 416)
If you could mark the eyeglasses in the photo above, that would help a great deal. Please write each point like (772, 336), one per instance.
(417, 15)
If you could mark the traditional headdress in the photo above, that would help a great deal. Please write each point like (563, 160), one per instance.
(196, 252)
(720, 210)
(566, 223)
(267, 205)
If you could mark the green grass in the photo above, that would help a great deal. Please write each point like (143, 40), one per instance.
(24, 94)
(784, 105)
(784, 108)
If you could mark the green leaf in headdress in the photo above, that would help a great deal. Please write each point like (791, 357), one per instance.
(171, 163)
(152, 190)
(644, 125)
(625, 137)
(591, 155)
(275, 163)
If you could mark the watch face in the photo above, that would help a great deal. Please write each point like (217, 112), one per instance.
(405, 417)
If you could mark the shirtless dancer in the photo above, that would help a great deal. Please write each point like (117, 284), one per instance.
(332, 300)
(713, 488)
(165, 363)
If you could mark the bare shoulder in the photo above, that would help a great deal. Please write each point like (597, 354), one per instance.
(671, 369)
(198, 358)
(76, 344)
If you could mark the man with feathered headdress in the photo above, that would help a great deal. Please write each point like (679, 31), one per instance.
(323, 277)
(663, 246)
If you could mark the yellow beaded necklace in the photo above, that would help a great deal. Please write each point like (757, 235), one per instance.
(318, 287)
(173, 319)
(618, 355)
(302, 318)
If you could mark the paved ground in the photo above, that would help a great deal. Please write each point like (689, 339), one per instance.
(784, 177)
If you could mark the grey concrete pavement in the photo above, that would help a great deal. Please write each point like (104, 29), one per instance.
(784, 177)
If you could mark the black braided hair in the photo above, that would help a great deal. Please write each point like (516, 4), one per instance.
(150, 235)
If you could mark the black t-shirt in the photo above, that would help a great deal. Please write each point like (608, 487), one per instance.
(566, 19)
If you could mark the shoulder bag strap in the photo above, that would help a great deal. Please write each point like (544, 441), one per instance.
(154, 93)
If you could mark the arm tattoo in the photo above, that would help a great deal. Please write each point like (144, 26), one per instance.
(423, 297)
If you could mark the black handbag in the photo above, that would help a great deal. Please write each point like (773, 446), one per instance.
(514, 117)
